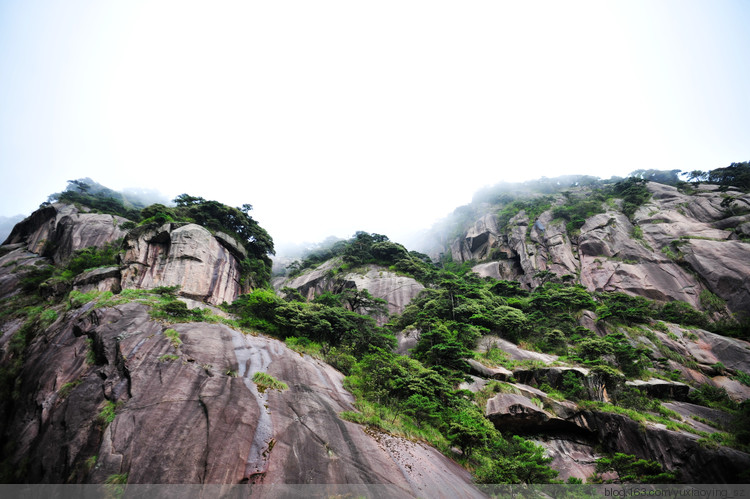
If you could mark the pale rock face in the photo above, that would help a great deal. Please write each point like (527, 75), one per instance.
(607, 255)
(187, 256)
(58, 230)
(725, 265)
(396, 290)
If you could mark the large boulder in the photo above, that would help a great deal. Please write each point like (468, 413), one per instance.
(182, 255)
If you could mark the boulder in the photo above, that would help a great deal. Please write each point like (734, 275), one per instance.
(397, 290)
(553, 376)
(514, 352)
(181, 255)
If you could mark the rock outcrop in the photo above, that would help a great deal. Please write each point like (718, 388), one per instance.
(56, 231)
(674, 247)
(184, 255)
(570, 435)
(397, 290)
(122, 394)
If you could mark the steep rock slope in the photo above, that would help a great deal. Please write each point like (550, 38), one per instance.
(183, 409)
(674, 247)
(102, 389)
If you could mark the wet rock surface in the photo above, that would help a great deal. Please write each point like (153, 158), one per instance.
(188, 411)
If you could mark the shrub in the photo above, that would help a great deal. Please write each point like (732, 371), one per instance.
(265, 381)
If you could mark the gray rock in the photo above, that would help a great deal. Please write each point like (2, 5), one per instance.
(511, 412)
(659, 388)
(396, 290)
(187, 256)
(498, 373)
(190, 413)
(58, 230)
(101, 279)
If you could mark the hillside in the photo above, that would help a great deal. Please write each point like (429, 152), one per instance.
(579, 331)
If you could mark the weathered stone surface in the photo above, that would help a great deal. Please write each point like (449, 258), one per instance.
(14, 265)
(677, 451)
(101, 279)
(734, 388)
(396, 290)
(707, 349)
(688, 410)
(607, 255)
(659, 388)
(571, 457)
(725, 266)
(499, 373)
(187, 256)
(60, 229)
(514, 351)
(407, 340)
(475, 385)
(512, 412)
(612, 260)
(553, 376)
(190, 413)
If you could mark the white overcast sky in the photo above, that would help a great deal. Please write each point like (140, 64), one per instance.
(336, 116)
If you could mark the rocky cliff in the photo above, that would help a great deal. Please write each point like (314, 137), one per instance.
(123, 394)
(675, 246)
(205, 266)
(107, 387)
(397, 290)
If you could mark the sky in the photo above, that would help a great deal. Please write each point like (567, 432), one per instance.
(336, 116)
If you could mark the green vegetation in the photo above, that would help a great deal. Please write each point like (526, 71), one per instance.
(168, 357)
(265, 381)
(577, 209)
(86, 192)
(174, 337)
(107, 414)
(735, 175)
(630, 469)
(365, 248)
(66, 388)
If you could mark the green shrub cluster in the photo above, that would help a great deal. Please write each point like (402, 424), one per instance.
(366, 248)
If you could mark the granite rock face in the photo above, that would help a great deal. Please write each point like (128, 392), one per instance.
(182, 255)
(396, 290)
(56, 231)
(674, 247)
(121, 389)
